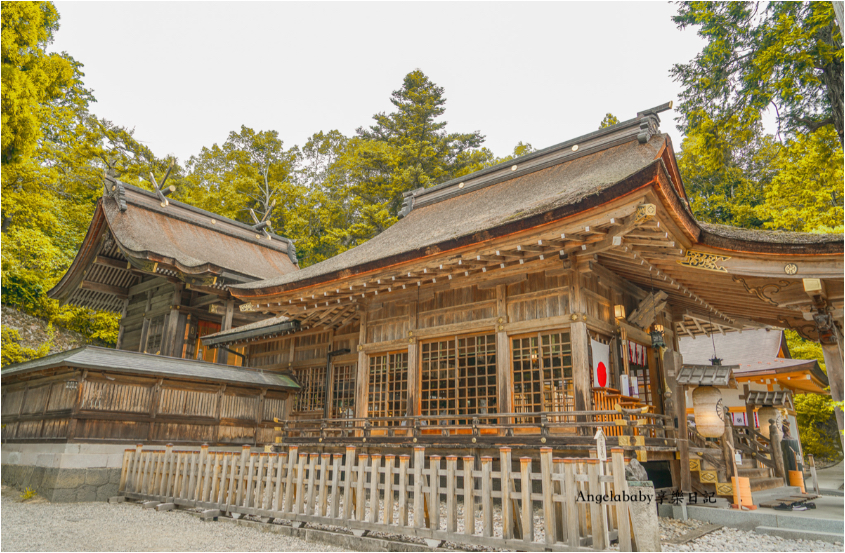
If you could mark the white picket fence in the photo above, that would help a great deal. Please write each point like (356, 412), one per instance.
(429, 497)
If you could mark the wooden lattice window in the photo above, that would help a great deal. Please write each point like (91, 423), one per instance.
(388, 387)
(542, 373)
(458, 376)
(155, 333)
(343, 392)
(312, 393)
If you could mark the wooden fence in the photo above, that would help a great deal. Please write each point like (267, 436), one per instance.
(453, 499)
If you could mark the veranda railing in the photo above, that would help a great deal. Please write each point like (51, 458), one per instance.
(499, 428)
(452, 499)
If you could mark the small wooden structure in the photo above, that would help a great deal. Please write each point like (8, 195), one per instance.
(165, 266)
(101, 395)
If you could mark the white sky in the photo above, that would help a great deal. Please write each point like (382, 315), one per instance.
(184, 74)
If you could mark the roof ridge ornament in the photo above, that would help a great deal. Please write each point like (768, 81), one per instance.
(114, 189)
(160, 189)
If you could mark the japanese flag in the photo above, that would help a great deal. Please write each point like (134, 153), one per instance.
(601, 363)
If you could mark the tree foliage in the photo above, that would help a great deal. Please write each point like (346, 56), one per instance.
(781, 55)
(608, 121)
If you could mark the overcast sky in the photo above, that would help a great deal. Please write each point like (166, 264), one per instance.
(185, 74)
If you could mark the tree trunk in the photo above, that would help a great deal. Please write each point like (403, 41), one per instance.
(832, 76)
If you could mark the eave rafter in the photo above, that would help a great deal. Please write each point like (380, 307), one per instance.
(561, 243)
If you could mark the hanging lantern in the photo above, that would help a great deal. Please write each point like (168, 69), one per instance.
(763, 416)
(657, 337)
(709, 416)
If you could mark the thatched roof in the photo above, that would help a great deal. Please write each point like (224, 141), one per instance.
(768, 236)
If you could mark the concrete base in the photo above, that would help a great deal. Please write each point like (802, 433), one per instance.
(793, 534)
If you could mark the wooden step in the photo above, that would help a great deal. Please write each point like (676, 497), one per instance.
(753, 472)
(759, 484)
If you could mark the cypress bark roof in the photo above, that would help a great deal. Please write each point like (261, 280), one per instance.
(462, 214)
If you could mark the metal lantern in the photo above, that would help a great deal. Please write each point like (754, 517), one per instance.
(657, 337)
(764, 414)
(707, 406)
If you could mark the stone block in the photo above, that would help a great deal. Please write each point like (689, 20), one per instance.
(36, 478)
(86, 493)
(644, 516)
(114, 476)
(97, 476)
(106, 491)
(49, 481)
(63, 495)
(70, 479)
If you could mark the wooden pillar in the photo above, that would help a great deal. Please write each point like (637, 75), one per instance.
(413, 361)
(122, 325)
(169, 338)
(504, 380)
(362, 384)
(581, 367)
(833, 363)
(728, 445)
(145, 326)
(226, 324)
(777, 451)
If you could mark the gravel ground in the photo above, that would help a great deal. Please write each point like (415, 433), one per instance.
(731, 539)
(38, 525)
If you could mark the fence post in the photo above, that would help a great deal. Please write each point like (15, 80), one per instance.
(215, 478)
(293, 459)
(124, 472)
(548, 494)
(560, 527)
(359, 487)
(507, 513)
(206, 485)
(184, 481)
(469, 495)
(419, 464)
(221, 490)
(310, 508)
(388, 488)
(241, 475)
(165, 475)
(451, 504)
(136, 469)
(487, 496)
(336, 458)
(374, 481)
(570, 491)
(403, 490)
(620, 485)
(434, 495)
(598, 526)
(347, 484)
(300, 485)
(324, 483)
(527, 503)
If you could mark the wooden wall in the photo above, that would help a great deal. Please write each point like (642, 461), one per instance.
(112, 408)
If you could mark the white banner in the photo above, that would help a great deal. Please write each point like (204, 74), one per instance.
(601, 363)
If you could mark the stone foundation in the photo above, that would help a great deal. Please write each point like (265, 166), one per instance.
(63, 472)
(64, 485)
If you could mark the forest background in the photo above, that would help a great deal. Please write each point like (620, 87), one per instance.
(335, 191)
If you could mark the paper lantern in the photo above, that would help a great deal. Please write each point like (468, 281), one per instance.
(709, 415)
(764, 414)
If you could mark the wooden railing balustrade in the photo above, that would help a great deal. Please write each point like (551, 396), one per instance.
(570, 428)
(454, 499)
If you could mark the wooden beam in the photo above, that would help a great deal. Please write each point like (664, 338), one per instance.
(147, 285)
(111, 262)
(615, 281)
(648, 308)
(122, 293)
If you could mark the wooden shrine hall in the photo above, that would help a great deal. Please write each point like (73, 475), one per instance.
(483, 316)
(530, 303)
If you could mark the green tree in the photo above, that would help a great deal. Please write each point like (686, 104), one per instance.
(608, 121)
(250, 171)
(786, 56)
(31, 77)
(412, 147)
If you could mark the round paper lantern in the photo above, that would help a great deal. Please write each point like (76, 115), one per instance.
(709, 415)
(764, 414)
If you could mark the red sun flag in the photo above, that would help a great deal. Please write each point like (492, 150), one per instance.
(601, 362)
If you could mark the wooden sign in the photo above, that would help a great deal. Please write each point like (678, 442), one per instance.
(601, 445)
